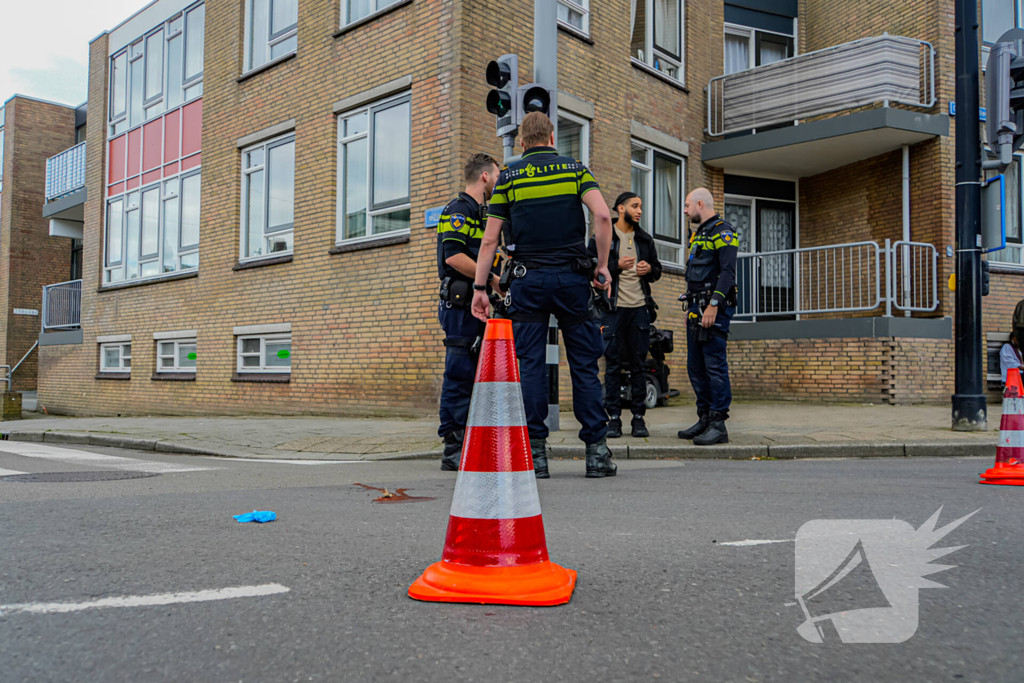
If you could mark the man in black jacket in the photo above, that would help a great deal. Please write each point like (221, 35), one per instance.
(634, 265)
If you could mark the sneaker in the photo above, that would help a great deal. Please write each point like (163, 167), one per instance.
(639, 428)
(614, 427)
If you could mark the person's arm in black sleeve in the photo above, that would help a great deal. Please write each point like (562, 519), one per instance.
(655, 265)
(727, 260)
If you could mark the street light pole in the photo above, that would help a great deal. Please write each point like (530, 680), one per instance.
(970, 412)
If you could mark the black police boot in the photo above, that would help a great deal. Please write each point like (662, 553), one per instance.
(703, 420)
(614, 427)
(715, 433)
(599, 461)
(452, 451)
(539, 448)
(639, 428)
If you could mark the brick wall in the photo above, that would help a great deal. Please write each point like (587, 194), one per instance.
(29, 257)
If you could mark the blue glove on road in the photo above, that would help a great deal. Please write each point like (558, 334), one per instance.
(257, 516)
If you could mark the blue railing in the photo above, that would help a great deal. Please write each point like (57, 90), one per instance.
(65, 173)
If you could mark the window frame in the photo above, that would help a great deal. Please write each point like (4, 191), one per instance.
(372, 210)
(345, 20)
(266, 146)
(1012, 242)
(271, 41)
(753, 36)
(581, 7)
(653, 53)
(986, 45)
(121, 357)
(175, 344)
(263, 367)
(652, 153)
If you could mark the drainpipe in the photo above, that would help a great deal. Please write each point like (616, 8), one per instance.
(906, 228)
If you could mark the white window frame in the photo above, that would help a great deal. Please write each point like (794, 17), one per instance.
(996, 257)
(121, 357)
(371, 212)
(175, 345)
(379, 6)
(263, 367)
(986, 45)
(182, 252)
(648, 167)
(652, 54)
(118, 122)
(581, 7)
(750, 33)
(272, 40)
(584, 133)
(266, 146)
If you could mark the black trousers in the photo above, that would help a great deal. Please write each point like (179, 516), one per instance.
(628, 333)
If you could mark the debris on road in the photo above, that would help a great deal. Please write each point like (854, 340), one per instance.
(397, 496)
(260, 516)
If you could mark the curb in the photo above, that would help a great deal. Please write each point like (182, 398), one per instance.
(858, 449)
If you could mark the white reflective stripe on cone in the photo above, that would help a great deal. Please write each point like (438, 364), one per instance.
(1013, 406)
(496, 404)
(496, 495)
(1011, 439)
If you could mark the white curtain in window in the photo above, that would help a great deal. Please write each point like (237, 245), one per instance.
(738, 216)
(666, 198)
(776, 228)
(737, 53)
(772, 52)
(666, 25)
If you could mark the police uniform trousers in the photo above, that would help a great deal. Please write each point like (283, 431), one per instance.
(707, 365)
(461, 327)
(566, 295)
(628, 332)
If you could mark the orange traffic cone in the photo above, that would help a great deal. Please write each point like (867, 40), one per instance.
(495, 551)
(1009, 467)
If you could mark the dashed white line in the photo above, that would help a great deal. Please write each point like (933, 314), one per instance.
(27, 449)
(757, 541)
(147, 600)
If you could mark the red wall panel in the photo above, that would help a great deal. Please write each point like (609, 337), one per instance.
(134, 152)
(172, 141)
(115, 159)
(152, 144)
(191, 127)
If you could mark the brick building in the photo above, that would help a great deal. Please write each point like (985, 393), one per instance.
(254, 222)
(31, 256)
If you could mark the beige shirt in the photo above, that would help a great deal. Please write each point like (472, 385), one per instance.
(631, 295)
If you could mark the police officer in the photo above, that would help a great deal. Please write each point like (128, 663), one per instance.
(710, 305)
(459, 232)
(542, 198)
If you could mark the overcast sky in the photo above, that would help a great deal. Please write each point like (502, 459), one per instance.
(44, 52)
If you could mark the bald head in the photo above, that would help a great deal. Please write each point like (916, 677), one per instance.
(699, 206)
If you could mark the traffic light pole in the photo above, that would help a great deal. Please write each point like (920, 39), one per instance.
(970, 412)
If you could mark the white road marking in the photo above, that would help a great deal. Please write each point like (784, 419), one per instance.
(147, 600)
(757, 541)
(28, 449)
(7, 473)
(289, 462)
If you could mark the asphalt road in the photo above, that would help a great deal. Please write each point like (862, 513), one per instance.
(659, 596)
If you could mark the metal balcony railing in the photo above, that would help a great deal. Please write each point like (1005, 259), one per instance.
(62, 306)
(887, 69)
(838, 278)
(65, 173)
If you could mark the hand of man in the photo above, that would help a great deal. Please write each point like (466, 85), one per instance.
(606, 285)
(710, 313)
(643, 268)
(626, 262)
(481, 305)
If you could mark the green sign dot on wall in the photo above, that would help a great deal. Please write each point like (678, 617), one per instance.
(192, 356)
(284, 353)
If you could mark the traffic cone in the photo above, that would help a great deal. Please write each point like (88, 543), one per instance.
(1009, 466)
(495, 551)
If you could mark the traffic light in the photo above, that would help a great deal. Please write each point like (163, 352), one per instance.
(1004, 98)
(537, 97)
(503, 77)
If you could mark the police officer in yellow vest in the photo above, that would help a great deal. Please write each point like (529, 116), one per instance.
(710, 304)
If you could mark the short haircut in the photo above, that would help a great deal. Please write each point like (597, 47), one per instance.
(623, 198)
(477, 165)
(536, 129)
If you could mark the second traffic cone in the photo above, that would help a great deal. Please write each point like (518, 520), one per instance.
(1009, 466)
(495, 551)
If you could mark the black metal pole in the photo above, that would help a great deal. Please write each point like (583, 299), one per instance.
(970, 412)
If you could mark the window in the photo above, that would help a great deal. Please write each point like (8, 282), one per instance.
(746, 48)
(116, 357)
(657, 35)
(373, 170)
(997, 17)
(1014, 250)
(658, 178)
(271, 30)
(268, 198)
(354, 10)
(575, 14)
(271, 353)
(177, 355)
(158, 72)
(2, 148)
(573, 137)
(153, 231)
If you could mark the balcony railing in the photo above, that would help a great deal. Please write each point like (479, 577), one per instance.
(65, 173)
(887, 69)
(838, 278)
(62, 306)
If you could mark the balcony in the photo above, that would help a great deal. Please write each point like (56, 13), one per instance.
(65, 192)
(62, 306)
(863, 78)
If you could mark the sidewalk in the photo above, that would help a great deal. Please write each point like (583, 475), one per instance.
(762, 430)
